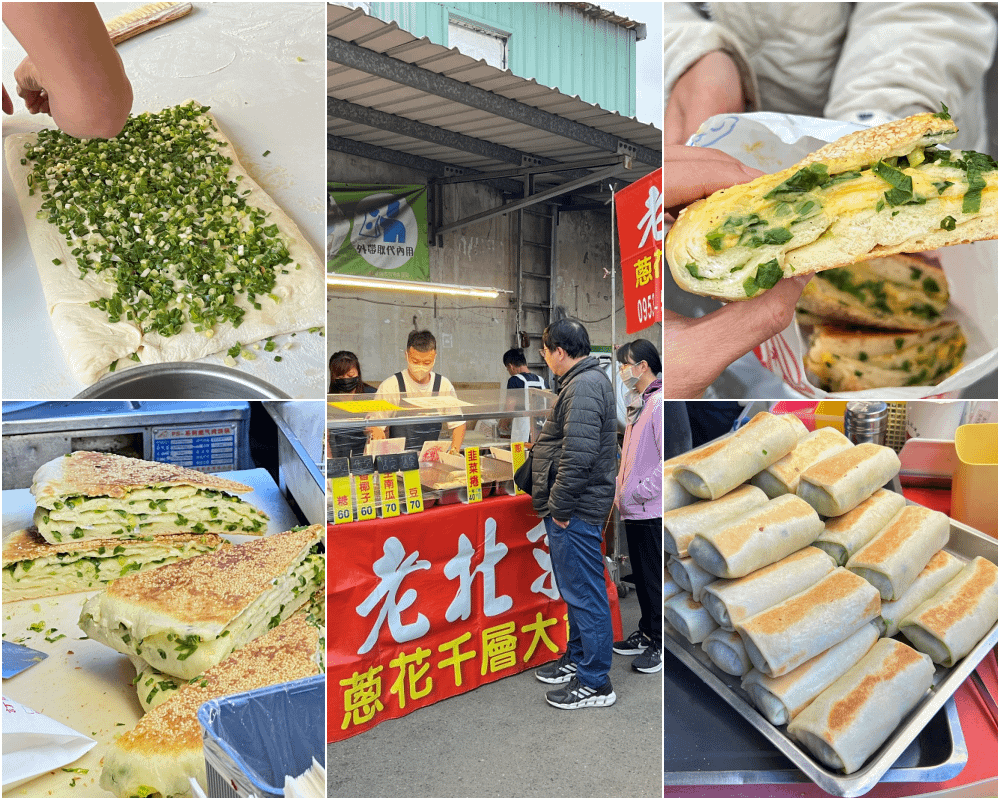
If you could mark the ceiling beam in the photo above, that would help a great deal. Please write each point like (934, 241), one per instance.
(383, 66)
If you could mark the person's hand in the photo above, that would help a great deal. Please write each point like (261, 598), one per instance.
(455, 449)
(8, 106)
(697, 351)
(30, 89)
(376, 433)
(710, 86)
(563, 525)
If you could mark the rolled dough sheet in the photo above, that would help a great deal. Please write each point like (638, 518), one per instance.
(91, 343)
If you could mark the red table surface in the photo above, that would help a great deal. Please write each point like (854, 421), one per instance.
(977, 724)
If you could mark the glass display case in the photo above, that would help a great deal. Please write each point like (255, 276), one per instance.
(367, 435)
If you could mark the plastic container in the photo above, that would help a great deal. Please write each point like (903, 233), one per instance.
(254, 739)
(974, 485)
(813, 414)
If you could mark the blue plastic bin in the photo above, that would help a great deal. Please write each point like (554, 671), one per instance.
(254, 739)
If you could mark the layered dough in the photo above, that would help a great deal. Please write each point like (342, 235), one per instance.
(830, 210)
(92, 344)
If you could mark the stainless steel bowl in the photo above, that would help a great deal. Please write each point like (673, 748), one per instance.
(181, 381)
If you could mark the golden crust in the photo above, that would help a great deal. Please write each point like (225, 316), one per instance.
(285, 653)
(215, 587)
(828, 471)
(104, 474)
(28, 544)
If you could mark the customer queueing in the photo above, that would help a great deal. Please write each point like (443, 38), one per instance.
(573, 488)
(639, 497)
(521, 380)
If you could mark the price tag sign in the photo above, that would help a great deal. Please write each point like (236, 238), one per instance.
(390, 494)
(473, 474)
(519, 456)
(414, 493)
(340, 491)
(364, 491)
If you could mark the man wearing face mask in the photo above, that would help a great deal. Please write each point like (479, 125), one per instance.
(573, 464)
(418, 379)
(639, 497)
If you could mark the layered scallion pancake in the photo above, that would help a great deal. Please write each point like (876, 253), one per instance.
(86, 495)
(34, 568)
(848, 360)
(900, 292)
(876, 192)
(186, 617)
(164, 750)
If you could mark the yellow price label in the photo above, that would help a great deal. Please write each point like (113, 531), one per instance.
(364, 493)
(414, 499)
(473, 475)
(390, 495)
(365, 406)
(518, 456)
(340, 492)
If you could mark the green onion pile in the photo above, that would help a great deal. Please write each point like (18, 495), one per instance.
(154, 212)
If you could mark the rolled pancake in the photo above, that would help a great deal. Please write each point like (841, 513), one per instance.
(854, 716)
(731, 602)
(674, 495)
(843, 536)
(720, 467)
(839, 483)
(680, 525)
(952, 622)
(786, 635)
(782, 699)
(782, 477)
(761, 537)
(670, 588)
(726, 650)
(689, 617)
(892, 560)
(689, 576)
(942, 567)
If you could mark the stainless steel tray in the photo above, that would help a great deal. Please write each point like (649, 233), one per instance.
(964, 542)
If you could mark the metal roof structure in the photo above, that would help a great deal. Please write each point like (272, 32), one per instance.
(402, 100)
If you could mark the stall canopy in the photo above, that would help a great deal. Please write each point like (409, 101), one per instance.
(403, 100)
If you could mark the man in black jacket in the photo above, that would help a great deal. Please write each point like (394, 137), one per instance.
(573, 488)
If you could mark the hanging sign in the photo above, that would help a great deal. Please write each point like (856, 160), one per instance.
(377, 231)
(640, 234)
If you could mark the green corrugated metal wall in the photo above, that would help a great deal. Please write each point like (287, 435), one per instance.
(553, 43)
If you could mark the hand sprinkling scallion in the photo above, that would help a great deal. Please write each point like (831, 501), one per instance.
(155, 214)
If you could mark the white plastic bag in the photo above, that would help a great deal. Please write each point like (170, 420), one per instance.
(34, 743)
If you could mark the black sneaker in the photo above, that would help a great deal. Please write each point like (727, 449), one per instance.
(649, 661)
(576, 695)
(635, 644)
(560, 671)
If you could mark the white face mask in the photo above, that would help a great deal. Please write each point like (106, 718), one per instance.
(628, 378)
(419, 372)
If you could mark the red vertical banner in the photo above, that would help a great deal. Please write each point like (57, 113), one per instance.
(639, 208)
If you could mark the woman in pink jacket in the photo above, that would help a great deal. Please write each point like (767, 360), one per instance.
(639, 497)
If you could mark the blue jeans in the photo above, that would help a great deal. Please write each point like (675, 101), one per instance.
(579, 570)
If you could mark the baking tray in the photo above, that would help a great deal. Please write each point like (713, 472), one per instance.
(964, 542)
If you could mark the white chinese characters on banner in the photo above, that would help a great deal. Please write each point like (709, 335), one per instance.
(391, 569)
(461, 567)
(652, 220)
(546, 582)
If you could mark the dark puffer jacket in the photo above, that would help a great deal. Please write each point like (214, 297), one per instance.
(574, 460)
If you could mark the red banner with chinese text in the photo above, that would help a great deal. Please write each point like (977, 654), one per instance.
(428, 606)
(639, 208)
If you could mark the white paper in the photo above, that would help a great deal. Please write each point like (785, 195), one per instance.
(770, 142)
(33, 743)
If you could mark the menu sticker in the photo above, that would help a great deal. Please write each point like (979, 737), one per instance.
(390, 494)
(473, 475)
(340, 491)
(364, 491)
(518, 457)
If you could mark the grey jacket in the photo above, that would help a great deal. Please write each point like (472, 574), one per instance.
(574, 459)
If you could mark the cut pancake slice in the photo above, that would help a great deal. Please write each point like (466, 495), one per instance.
(86, 495)
(186, 617)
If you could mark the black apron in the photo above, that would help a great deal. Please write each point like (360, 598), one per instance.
(416, 434)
